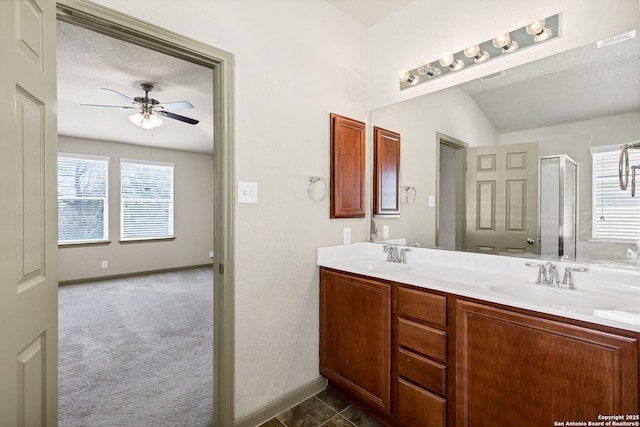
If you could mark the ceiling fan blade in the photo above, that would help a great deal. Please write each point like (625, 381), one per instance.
(178, 117)
(120, 95)
(178, 105)
(111, 106)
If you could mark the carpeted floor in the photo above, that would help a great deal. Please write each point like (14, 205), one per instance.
(137, 351)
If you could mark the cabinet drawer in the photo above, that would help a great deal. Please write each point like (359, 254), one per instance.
(422, 339)
(423, 306)
(420, 370)
(419, 408)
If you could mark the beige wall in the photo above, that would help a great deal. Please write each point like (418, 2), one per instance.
(193, 216)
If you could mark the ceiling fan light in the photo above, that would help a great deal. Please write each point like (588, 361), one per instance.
(155, 120)
(137, 119)
(145, 121)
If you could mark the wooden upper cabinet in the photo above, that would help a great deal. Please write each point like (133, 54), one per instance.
(386, 172)
(348, 158)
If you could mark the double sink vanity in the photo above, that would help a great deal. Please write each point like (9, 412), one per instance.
(459, 339)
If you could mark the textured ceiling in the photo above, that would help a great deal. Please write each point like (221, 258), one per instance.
(580, 84)
(89, 61)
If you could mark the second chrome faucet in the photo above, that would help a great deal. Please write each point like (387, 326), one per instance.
(394, 256)
(548, 275)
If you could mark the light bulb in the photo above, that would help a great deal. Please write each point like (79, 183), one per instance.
(477, 54)
(426, 68)
(504, 42)
(447, 60)
(535, 27)
(403, 75)
(538, 31)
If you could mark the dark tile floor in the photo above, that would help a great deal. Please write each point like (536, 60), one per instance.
(324, 409)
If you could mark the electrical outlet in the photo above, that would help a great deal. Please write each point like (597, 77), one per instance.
(105, 264)
(346, 235)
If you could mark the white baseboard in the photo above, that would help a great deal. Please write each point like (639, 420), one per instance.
(273, 408)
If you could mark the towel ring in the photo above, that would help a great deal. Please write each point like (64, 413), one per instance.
(312, 181)
(407, 193)
(633, 180)
(623, 172)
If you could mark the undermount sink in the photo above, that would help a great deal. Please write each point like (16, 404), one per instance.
(379, 266)
(552, 296)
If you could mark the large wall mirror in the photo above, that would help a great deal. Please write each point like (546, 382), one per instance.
(510, 157)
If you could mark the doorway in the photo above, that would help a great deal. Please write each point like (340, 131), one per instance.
(451, 157)
(106, 21)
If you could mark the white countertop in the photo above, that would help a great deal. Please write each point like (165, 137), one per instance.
(603, 295)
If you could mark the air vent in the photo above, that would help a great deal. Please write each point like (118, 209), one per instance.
(616, 39)
(493, 76)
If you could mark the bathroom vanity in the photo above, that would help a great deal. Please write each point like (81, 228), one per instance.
(432, 343)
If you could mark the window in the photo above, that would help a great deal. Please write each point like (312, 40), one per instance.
(616, 215)
(146, 197)
(82, 199)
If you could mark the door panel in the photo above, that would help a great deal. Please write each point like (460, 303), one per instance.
(502, 187)
(28, 181)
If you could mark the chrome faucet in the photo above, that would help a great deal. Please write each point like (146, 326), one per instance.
(548, 275)
(567, 280)
(552, 274)
(392, 253)
(394, 256)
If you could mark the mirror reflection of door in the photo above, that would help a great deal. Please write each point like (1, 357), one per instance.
(451, 210)
(502, 203)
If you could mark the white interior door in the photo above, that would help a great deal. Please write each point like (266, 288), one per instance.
(28, 214)
(502, 189)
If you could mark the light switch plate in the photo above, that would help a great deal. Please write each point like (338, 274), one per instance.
(432, 201)
(247, 192)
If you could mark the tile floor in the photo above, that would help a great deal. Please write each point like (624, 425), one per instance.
(324, 409)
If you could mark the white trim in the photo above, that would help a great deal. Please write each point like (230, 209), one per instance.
(84, 156)
(148, 163)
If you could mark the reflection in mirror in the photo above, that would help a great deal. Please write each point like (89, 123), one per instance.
(574, 105)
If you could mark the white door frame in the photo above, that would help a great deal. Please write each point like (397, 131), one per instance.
(127, 28)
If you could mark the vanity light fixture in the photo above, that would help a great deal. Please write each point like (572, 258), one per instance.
(448, 60)
(476, 53)
(532, 33)
(538, 30)
(504, 42)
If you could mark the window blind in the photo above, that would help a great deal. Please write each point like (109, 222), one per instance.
(146, 200)
(616, 215)
(82, 199)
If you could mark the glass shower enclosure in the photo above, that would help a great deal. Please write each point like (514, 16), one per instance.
(558, 201)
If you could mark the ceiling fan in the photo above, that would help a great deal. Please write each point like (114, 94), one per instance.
(150, 109)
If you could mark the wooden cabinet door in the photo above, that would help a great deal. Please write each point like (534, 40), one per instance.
(355, 336)
(348, 158)
(513, 368)
(386, 172)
